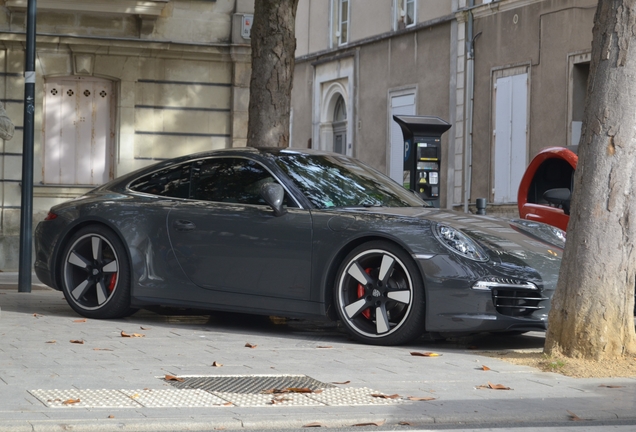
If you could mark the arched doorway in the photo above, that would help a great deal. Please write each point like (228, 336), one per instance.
(340, 126)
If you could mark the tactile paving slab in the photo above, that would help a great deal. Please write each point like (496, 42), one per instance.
(261, 400)
(174, 398)
(351, 396)
(249, 391)
(74, 398)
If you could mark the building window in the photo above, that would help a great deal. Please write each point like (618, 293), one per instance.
(405, 11)
(340, 22)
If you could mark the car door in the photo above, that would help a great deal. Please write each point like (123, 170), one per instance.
(228, 240)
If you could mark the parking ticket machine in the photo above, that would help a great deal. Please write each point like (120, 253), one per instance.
(423, 154)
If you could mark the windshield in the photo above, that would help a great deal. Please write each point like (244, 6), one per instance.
(330, 181)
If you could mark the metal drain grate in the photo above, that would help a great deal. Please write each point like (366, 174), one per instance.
(248, 384)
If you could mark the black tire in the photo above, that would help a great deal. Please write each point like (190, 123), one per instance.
(380, 278)
(95, 274)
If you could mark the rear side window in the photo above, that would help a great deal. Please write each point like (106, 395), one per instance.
(173, 182)
(230, 180)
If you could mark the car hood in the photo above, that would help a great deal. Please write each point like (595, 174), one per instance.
(515, 243)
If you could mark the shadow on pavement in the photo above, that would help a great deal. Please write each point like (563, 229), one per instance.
(45, 301)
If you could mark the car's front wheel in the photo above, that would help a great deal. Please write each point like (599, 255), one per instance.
(95, 274)
(380, 295)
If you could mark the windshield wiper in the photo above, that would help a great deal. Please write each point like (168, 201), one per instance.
(368, 203)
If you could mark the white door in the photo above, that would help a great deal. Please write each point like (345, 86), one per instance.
(403, 104)
(511, 98)
(78, 131)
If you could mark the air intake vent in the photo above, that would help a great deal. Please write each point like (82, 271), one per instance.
(517, 302)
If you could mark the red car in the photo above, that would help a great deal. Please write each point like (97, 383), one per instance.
(544, 192)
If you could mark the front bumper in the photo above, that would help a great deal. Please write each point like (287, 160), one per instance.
(455, 306)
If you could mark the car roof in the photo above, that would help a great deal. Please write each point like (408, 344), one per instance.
(125, 179)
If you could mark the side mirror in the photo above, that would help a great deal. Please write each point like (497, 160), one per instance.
(274, 194)
(559, 197)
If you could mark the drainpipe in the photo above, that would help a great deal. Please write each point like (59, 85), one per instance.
(470, 95)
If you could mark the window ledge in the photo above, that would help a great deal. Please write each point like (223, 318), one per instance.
(60, 191)
(144, 8)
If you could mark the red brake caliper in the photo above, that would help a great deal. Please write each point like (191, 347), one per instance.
(113, 281)
(366, 312)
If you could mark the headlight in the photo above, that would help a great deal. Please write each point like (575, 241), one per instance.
(459, 243)
(559, 233)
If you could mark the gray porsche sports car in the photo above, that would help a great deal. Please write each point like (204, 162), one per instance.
(296, 233)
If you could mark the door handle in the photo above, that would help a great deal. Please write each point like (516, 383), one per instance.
(183, 225)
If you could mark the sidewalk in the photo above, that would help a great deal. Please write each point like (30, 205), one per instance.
(120, 386)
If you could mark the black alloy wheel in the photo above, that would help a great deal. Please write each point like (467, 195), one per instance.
(380, 295)
(95, 274)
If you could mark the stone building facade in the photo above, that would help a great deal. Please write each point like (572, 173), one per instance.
(123, 83)
(509, 75)
(120, 84)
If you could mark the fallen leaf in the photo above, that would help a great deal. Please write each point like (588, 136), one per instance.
(51, 341)
(405, 423)
(80, 320)
(278, 400)
(37, 315)
(228, 404)
(217, 364)
(416, 398)
(173, 378)
(378, 423)
(71, 401)
(278, 320)
(249, 345)
(145, 328)
(135, 396)
(344, 382)
(77, 341)
(425, 354)
(611, 386)
(485, 368)
(324, 346)
(314, 424)
(299, 390)
(574, 417)
(102, 349)
(493, 386)
(111, 416)
(131, 335)
(383, 396)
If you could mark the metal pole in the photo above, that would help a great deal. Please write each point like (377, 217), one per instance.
(26, 213)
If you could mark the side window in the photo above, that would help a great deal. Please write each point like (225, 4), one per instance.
(171, 182)
(230, 180)
(552, 173)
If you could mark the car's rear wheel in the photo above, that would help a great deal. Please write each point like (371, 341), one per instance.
(95, 274)
(380, 295)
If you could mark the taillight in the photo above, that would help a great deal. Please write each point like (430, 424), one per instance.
(50, 216)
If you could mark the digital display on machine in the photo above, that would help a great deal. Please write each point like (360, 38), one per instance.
(427, 153)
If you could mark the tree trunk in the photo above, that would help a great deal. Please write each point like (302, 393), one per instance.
(592, 309)
(273, 51)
